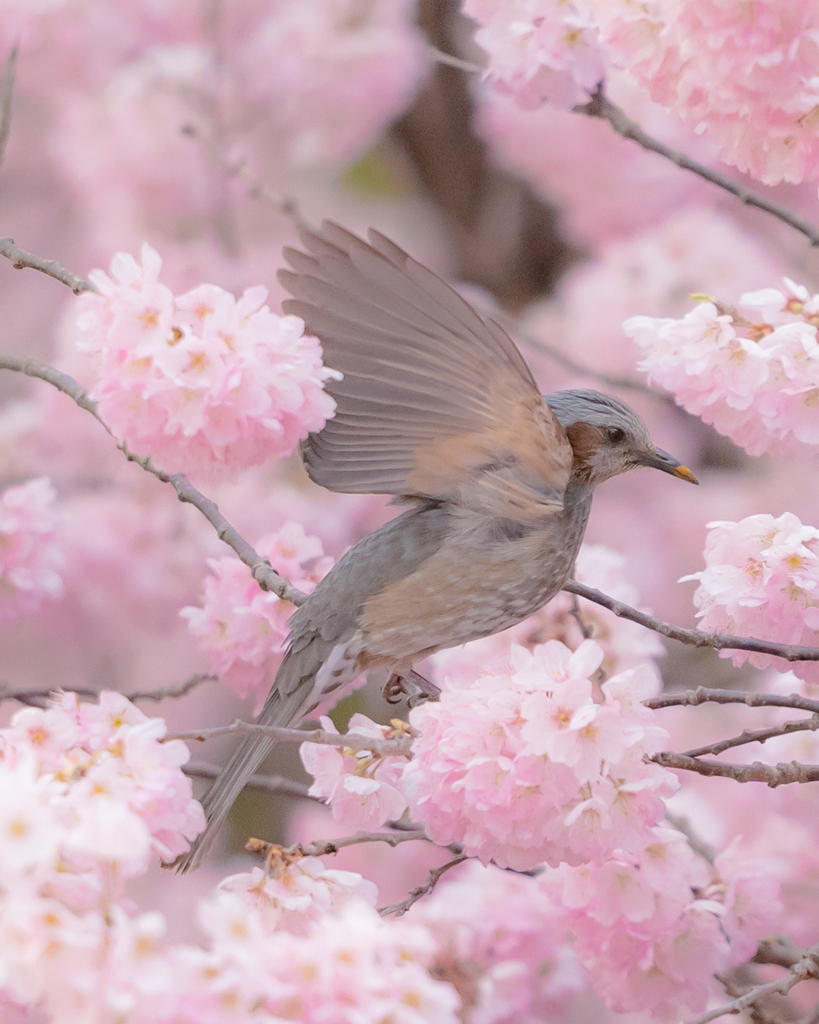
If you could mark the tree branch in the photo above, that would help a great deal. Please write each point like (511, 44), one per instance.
(695, 637)
(704, 695)
(267, 783)
(805, 967)
(21, 259)
(421, 890)
(40, 698)
(756, 736)
(325, 847)
(772, 775)
(387, 747)
(263, 572)
(599, 106)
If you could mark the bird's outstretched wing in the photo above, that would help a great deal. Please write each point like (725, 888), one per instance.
(435, 401)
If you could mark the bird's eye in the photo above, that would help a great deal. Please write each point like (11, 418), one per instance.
(615, 434)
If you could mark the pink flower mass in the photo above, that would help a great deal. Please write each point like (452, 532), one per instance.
(587, 817)
(31, 559)
(201, 380)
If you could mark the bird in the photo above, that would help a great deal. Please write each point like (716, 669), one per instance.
(435, 406)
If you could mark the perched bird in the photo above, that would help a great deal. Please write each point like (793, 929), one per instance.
(437, 407)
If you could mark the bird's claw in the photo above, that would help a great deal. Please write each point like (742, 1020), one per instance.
(413, 686)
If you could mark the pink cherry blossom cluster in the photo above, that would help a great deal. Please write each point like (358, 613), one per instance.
(89, 795)
(510, 931)
(761, 579)
(625, 644)
(241, 628)
(332, 73)
(752, 372)
(539, 50)
(203, 382)
(362, 788)
(346, 966)
(653, 926)
(745, 74)
(31, 558)
(521, 765)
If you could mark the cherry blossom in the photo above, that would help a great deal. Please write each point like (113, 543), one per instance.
(331, 74)
(762, 579)
(653, 926)
(522, 765)
(31, 557)
(201, 382)
(539, 50)
(242, 628)
(362, 788)
(753, 372)
(745, 75)
(512, 933)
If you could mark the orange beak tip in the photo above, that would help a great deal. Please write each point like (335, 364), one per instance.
(684, 473)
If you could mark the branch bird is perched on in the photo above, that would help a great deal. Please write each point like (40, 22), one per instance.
(438, 408)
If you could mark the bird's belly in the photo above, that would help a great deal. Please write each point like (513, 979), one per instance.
(460, 594)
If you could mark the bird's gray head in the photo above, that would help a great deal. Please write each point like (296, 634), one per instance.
(607, 437)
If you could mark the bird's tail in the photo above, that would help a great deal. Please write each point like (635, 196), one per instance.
(281, 708)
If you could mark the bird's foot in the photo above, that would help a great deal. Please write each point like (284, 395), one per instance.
(411, 685)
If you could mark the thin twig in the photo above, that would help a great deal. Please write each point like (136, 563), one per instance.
(454, 62)
(41, 698)
(772, 775)
(263, 572)
(704, 695)
(695, 637)
(21, 259)
(387, 747)
(560, 357)
(6, 99)
(599, 106)
(806, 967)
(267, 783)
(256, 189)
(756, 736)
(325, 847)
(421, 890)
(173, 690)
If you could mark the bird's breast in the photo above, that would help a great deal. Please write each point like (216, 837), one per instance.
(474, 585)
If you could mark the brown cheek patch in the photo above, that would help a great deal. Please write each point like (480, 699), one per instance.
(585, 440)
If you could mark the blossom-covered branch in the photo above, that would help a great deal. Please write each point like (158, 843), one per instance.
(806, 967)
(263, 572)
(600, 106)
(387, 747)
(695, 637)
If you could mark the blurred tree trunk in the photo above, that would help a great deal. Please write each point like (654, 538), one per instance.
(504, 238)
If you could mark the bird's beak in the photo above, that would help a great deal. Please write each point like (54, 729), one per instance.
(662, 460)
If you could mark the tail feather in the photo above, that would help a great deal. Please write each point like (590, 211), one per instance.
(281, 708)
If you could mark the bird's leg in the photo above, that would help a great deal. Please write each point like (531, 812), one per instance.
(411, 685)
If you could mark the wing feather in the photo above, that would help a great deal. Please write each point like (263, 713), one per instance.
(435, 401)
